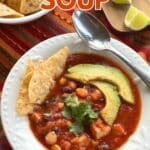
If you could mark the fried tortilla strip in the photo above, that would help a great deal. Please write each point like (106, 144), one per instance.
(25, 6)
(5, 11)
(44, 76)
(23, 106)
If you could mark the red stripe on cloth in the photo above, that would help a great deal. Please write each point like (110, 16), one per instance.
(31, 30)
(4, 36)
(43, 30)
(25, 44)
(53, 25)
(38, 31)
(49, 27)
(4, 145)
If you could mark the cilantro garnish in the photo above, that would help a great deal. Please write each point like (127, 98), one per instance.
(66, 112)
(76, 128)
(82, 113)
(70, 101)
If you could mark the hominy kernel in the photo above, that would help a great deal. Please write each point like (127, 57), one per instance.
(51, 138)
(63, 81)
(81, 92)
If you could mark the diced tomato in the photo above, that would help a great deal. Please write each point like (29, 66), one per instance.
(36, 117)
(118, 129)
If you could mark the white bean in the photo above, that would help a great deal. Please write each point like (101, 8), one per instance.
(51, 138)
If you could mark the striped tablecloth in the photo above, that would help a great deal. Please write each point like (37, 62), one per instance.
(15, 40)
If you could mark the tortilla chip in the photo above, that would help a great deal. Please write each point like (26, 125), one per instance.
(25, 6)
(44, 76)
(38, 80)
(2, 1)
(5, 11)
(23, 105)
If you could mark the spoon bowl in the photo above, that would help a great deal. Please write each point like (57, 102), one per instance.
(90, 29)
(92, 32)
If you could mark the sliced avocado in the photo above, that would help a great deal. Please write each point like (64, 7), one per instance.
(88, 72)
(110, 111)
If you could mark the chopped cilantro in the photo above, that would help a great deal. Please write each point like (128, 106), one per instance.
(82, 113)
(71, 101)
(66, 112)
(76, 128)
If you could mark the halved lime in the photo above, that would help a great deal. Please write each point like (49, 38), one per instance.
(122, 1)
(136, 19)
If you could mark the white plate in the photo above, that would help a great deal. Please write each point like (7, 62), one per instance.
(24, 19)
(17, 128)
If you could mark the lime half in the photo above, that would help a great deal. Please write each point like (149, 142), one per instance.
(122, 1)
(136, 19)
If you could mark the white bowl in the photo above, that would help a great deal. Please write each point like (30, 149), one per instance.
(24, 19)
(17, 128)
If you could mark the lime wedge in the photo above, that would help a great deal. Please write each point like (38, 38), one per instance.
(136, 19)
(122, 1)
(132, 12)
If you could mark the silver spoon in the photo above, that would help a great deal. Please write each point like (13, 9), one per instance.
(97, 37)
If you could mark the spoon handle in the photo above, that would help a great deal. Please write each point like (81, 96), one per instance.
(133, 60)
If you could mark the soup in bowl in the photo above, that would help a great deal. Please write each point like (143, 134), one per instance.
(83, 102)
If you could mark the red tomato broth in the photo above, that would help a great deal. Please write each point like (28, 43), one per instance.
(128, 116)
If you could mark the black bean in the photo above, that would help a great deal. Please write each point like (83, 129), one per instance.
(56, 129)
(103, 146)
(67, 89)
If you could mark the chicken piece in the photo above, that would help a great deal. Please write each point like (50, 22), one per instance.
(42, 130)
(81, 141)
(99, 129)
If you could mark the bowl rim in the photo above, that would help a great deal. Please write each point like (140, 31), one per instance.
(24, 19)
